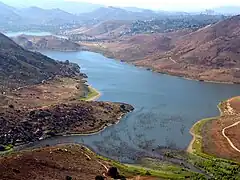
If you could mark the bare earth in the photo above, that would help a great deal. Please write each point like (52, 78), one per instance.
(214, 141)
(55, 163)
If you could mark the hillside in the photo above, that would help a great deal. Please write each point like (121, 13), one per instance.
(46, 16)
(46, 43)
(115, 13)
(216, 46)
(209, 54)
(137, 47)
(21, 67)
(7, 14)
(104, 27)
(113, 29)
(106, 30)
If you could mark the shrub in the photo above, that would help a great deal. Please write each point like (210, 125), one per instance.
(99, 178)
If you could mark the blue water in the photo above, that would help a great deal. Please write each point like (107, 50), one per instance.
(166, 107)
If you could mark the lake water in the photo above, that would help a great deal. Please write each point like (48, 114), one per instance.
(166, 107)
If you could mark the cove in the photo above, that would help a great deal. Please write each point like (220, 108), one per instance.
(166, 107)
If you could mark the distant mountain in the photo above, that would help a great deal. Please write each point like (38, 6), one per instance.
(115, 13)
(21, 67)
(45, 16)
(7, 14)
(134, 9)
(68, 6)
(228, 10)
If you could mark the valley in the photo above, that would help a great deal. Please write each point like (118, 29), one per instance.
(112, 92)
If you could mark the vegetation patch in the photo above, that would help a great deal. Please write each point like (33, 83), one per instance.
(7, 148)
(92, 93)
(214, 166)
(154, 169)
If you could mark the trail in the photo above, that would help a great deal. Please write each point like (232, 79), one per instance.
(104, 166)
(229, 141)
(171, 59)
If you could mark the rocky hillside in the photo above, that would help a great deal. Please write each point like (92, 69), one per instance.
(23, 126)
(21, 67)
(46, 42)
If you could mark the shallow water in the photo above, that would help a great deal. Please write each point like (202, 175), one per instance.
(166, 107)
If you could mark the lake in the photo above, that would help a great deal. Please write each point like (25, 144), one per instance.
(166, 107)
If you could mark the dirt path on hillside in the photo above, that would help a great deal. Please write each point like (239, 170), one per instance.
(228, 139)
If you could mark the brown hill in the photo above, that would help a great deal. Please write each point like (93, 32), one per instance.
(216, 46)
(21, 67)
(138, 47)
(46, 42)
(211, 53)
(106, 27)
(104, 30)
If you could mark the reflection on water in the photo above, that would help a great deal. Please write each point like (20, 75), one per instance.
(166, 107)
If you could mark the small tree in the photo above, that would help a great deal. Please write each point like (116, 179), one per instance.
(68, 178)
(113, 172)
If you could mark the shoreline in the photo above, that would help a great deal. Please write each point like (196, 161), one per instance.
(106, 54)
(97, 96)
(195, 135)
(97, 131)
(89, 133)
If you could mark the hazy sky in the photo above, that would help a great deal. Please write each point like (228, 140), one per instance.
(174, 5)
(167, 4)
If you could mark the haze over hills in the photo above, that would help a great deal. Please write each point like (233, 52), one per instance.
(8, 14)
(231, 10)
(45, 16)
(68, 6)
